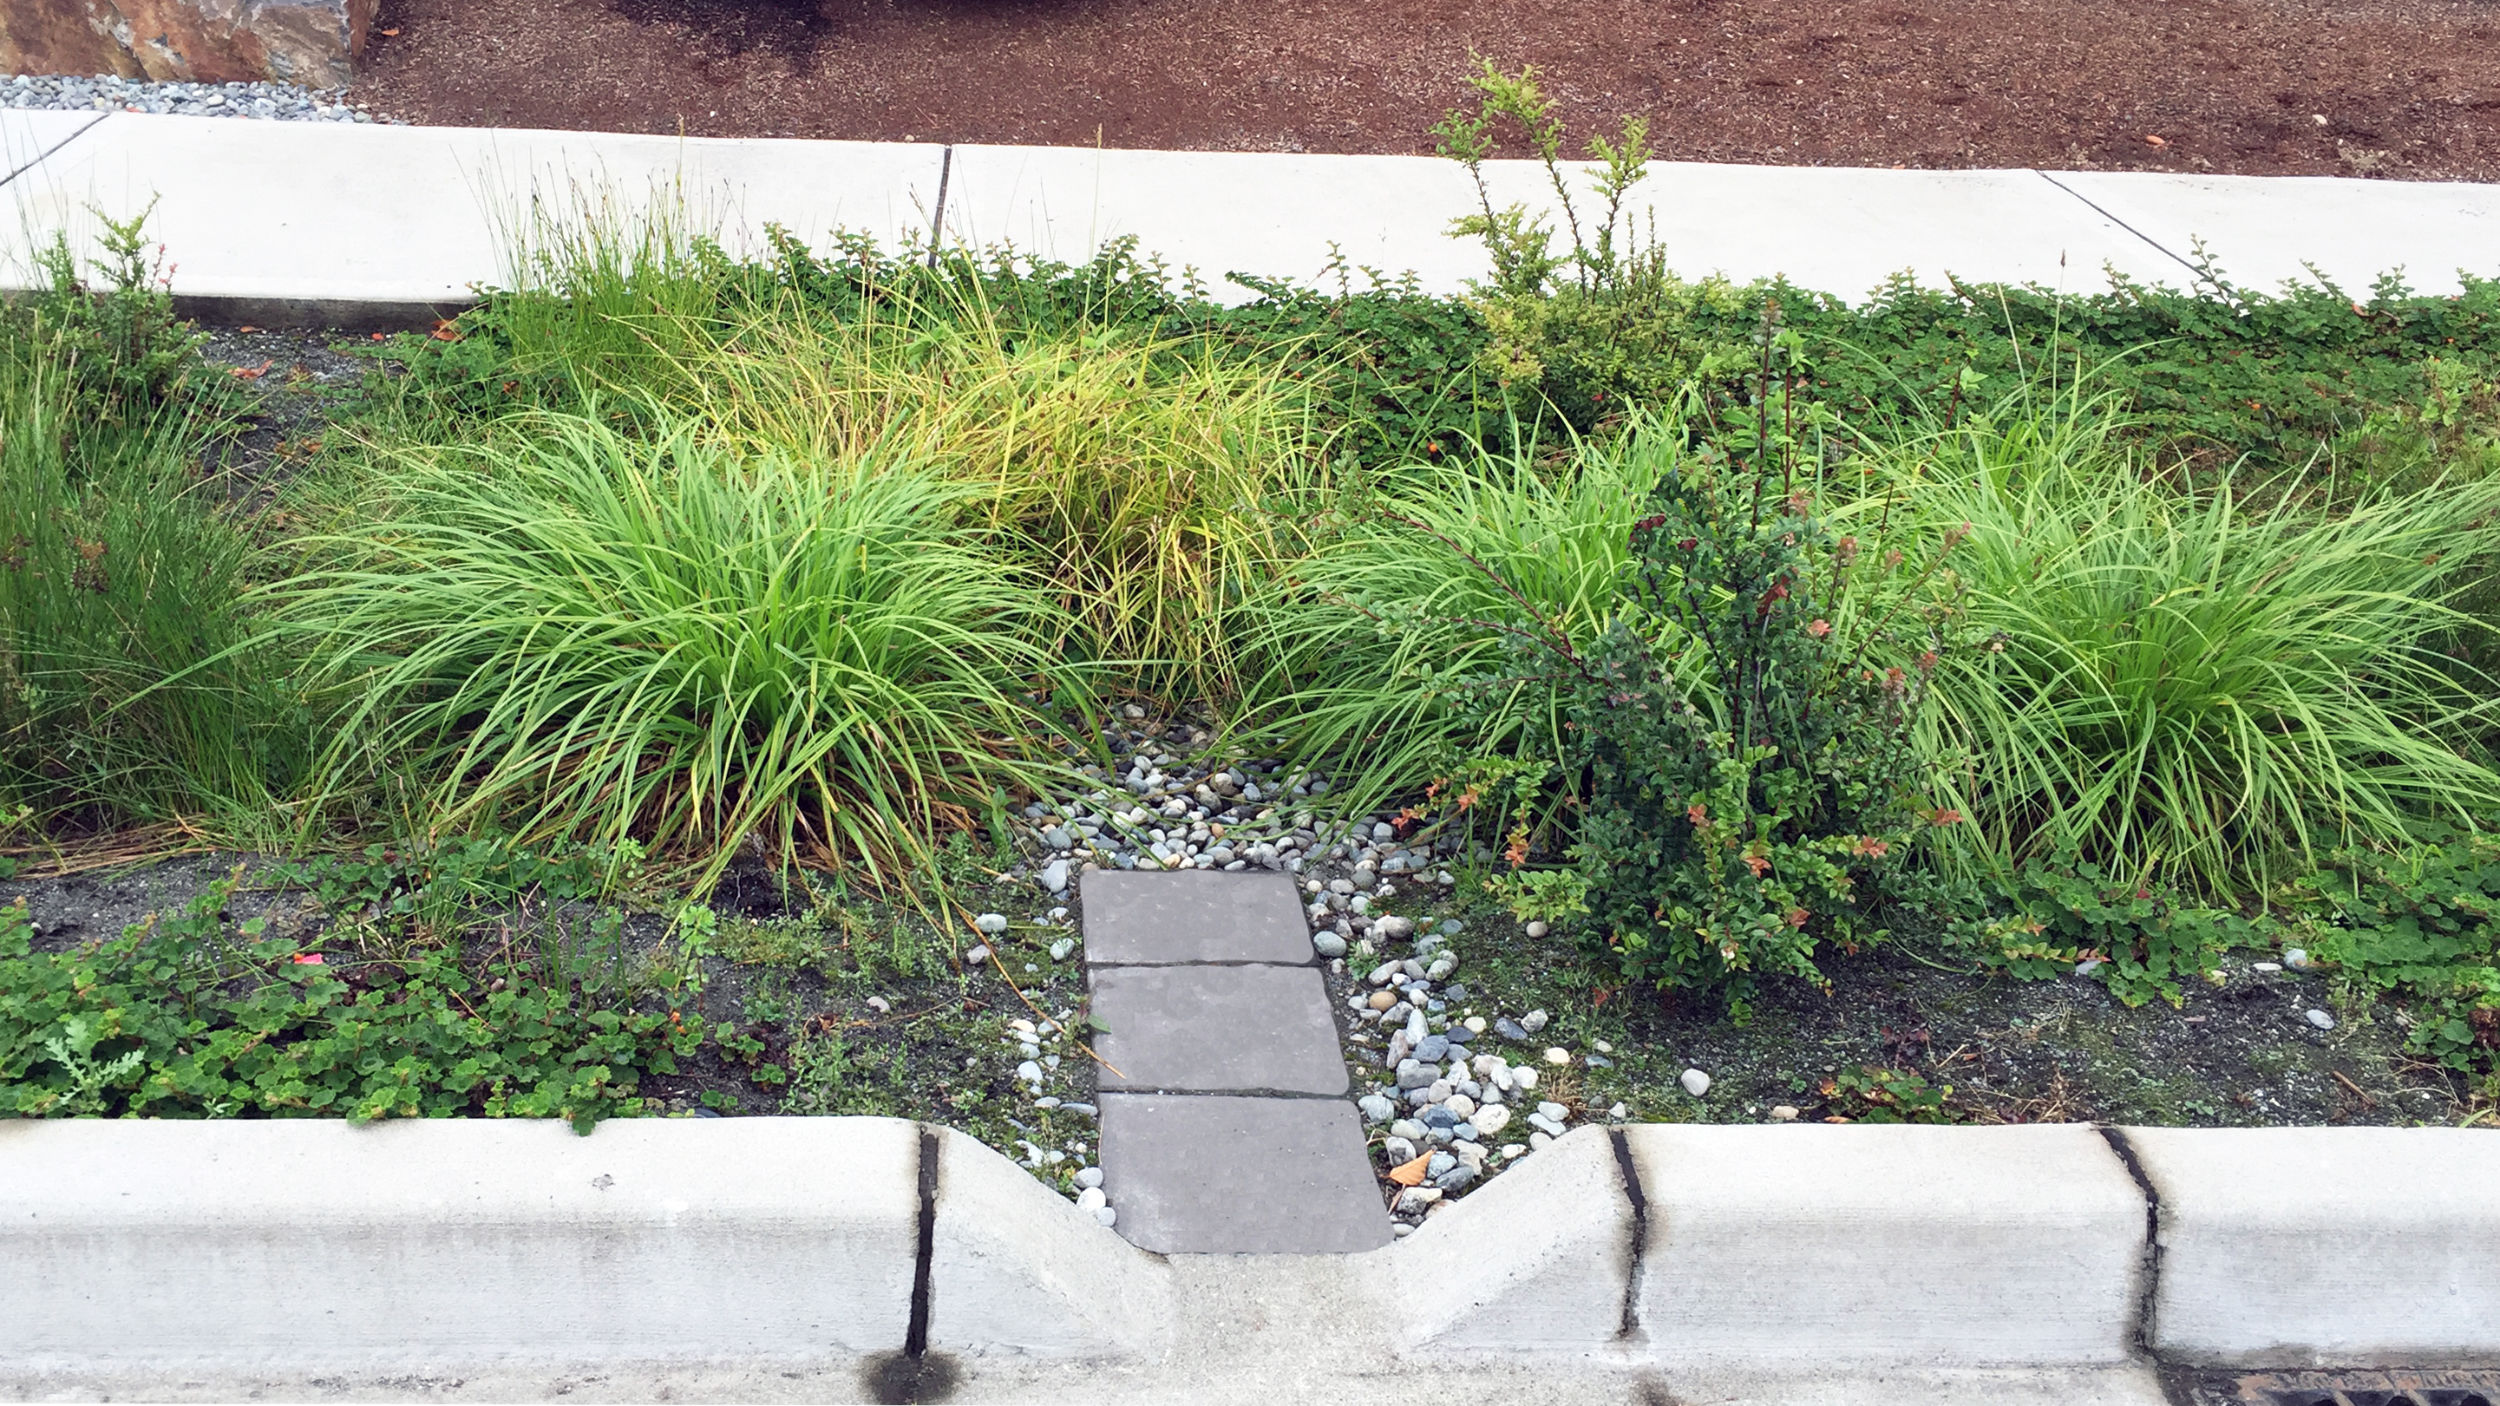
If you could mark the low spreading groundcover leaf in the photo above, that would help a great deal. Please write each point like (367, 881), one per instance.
(182, 1019)
(571, 633)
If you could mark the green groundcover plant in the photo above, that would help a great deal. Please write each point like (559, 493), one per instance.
(184, 1019)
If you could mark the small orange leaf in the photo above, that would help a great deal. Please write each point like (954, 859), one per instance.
(247, 329)
(251, 373)
(1412, 1173)
(388, 33)
(445, 330)
(2155, 142)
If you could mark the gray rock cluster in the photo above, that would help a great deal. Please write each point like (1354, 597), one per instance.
(276, 102)
(1162, 805)
(1459, 1088)
(1037, 1047)
(1455, 1088)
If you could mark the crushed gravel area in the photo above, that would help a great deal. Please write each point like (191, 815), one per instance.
(274, 102)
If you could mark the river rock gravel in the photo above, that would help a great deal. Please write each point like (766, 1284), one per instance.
(273, 102)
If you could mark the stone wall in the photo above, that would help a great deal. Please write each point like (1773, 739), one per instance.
(311, 42)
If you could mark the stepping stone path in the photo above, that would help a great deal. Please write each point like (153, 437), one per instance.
(1226, 1126)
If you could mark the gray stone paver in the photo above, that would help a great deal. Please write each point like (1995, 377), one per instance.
(1140, 919)
(1225, 1126)
(1208, 1174)
(1217, 1029)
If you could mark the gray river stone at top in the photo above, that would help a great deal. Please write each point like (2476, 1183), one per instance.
(1135, 919)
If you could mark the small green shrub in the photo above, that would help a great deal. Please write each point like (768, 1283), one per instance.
(1740, 735)
(1751, 775)
(570, 634)
(116, 343)
(1601, 330)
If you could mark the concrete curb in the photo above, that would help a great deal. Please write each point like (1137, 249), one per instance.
(1910, 1264)
(368, 224)
(2300, 1247)
(1898, 1245)
(325, 1243)
(1541, 1259)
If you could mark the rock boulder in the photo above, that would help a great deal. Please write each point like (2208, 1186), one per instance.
(311, 42)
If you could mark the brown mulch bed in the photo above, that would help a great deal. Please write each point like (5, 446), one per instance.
(2406, 88)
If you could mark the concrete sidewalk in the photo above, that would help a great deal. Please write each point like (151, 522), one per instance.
(310, 215)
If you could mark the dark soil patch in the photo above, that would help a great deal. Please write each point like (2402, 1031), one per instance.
(2238, 1053)
(2263, 87)
(289, 383)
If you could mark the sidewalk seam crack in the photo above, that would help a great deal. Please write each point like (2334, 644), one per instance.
(49, 152)
(937, 221)
(2098, 209)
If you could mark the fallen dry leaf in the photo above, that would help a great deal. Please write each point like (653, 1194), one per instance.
(446, 331)
(250, 373)
(1412, 1173)
(247, 329)
(388, 33)
(2155, 141)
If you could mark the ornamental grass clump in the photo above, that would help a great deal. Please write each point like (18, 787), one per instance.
(1147, 483)
(126, 693)
(2192, 688)
(572, 633)
(1384, 654)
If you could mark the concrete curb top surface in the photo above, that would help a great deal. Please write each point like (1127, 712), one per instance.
(315, 216)
(860, 1258)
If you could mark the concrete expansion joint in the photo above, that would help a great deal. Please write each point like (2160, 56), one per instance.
(2104, 212)
(912, 1375)
(1636, 1237)
(17, 168)
(2142, 1331)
